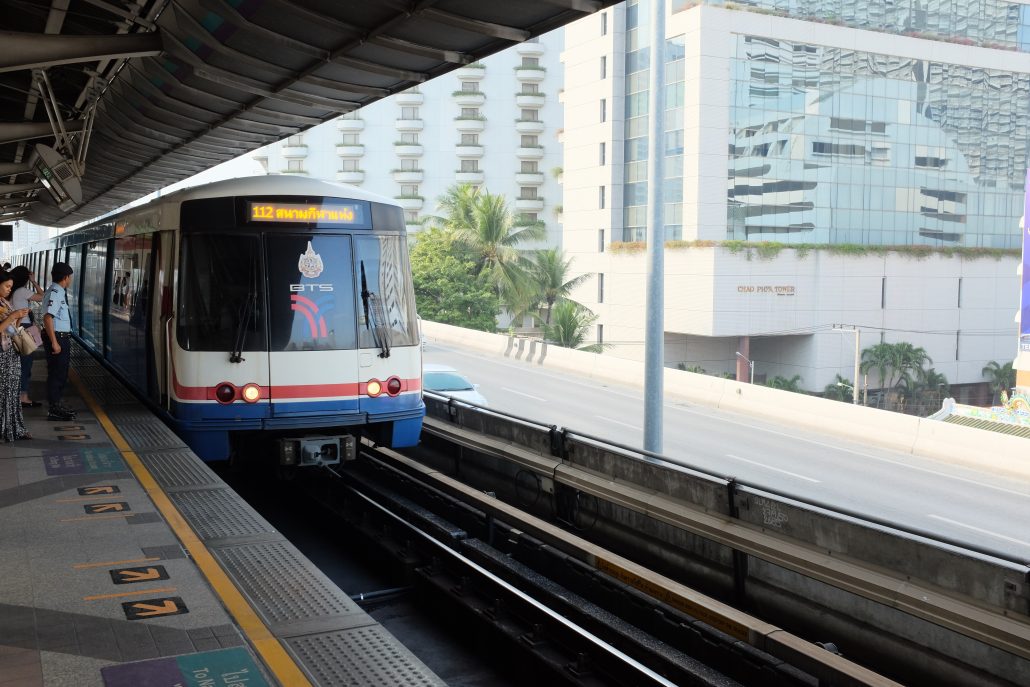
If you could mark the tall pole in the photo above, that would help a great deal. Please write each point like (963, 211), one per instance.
(854, 389)
(654, 334)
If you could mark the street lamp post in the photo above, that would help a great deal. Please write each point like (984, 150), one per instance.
(750, 364)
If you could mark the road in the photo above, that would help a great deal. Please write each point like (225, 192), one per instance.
(937, 497)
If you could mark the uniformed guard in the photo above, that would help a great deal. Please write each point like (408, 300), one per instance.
(58, 324)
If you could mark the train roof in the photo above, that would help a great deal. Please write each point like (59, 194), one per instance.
(271, 185)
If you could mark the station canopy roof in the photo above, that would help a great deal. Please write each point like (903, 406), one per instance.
(163, 89)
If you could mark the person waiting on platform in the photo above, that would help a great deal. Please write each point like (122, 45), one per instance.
(26, 291)
(58, 339)
(12, 424)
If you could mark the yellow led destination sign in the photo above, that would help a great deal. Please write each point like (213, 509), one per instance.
(325, 213)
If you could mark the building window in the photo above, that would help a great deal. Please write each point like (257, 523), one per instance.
(530, 88)
(470, 87)
(349, 165)
(528, 218)
(409, 113)
(530, 141)
(296, 140)
(409, 165)
(470, 165)
(600, 197)
(409, 138)
(470, 139)
(530, 62)
(527, 192)
(349, 139)
(295, 165)
(604, 110)
(353, 114)
(604, 66)
(600, 240)
(409, 189)
(469, 113)
(530, 167)
(600, 287)
(604, 23)
(411, 217)
(600, 334)
(600, 154)
(530, 115)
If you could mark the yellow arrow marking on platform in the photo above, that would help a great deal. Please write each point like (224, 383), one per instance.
(139, 575)
(98, 490)
(150, 610)
(104, 507)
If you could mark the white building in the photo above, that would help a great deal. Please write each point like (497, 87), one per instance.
(495, 124)
(843, 134)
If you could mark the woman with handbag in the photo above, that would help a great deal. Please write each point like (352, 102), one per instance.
(26, 291)
(12, 425)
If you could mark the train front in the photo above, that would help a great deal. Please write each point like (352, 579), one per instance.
(295, 329)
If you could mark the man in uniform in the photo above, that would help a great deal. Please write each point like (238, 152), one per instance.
(57, 340)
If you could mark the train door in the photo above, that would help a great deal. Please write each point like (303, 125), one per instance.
(313, 356)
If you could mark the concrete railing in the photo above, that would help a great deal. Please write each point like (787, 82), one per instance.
(968, 446)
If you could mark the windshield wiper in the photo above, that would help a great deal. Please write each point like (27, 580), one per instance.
(249, 304)
(375, 318)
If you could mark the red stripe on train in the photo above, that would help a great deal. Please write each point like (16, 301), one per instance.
(290, 391)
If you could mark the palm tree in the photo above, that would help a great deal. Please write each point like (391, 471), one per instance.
(879, 357)
(999, 377)
(551, 274)
(457, 207)
(909, 360)
(792, 384)
(570, 327)
(840, 389)
(925, 392)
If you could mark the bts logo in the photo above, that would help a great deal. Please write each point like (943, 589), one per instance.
(317, 288)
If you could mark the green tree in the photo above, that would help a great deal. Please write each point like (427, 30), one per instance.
(792, 384)
(570, 327)
(924, 392)
(446, 288)
(550, 274)
(840, 389)
(910, 361)
(999, 377)
(881, 358)
(457, 207)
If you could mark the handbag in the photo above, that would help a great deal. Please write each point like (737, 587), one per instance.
(37, 336)
(23, 342)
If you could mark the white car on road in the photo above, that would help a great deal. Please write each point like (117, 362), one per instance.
(446, 381)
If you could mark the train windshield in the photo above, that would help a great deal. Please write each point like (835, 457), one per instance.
(386, 297)
(311, 292)
(222, 302)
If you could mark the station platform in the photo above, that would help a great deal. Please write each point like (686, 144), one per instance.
(126, 562)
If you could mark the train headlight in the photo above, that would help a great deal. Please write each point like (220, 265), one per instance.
(251, 393)
(373, 388)
(225, 393)
(393, 386)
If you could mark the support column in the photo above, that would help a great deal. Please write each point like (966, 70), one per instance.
(743, 369)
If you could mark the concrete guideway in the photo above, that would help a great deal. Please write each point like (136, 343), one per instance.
(124, 558)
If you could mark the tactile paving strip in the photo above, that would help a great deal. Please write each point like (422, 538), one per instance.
(216, 513)
(174, 469)
(149, 436)
(282, 583)
(362, 656)
(111, 394)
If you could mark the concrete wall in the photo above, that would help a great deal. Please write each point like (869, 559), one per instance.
(978, 449)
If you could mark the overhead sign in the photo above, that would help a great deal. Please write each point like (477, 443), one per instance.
(324, 214)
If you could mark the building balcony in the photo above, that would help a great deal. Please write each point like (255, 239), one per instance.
(468, 151)
(407, 150)
(411, 202)
(469, 177)
(529, 152)
(529, 204)
(532, 74)
(469, 98)
(413, 228)
(471, 125)
(296, 172)
(410, 125)
(528, 100)
(470, 72)
(348, 150)
(409, 98)
(350, 124)
(295, 151)
(352, 177)
(529, 178)
(407, 176)
(529, 126)
(529, 49)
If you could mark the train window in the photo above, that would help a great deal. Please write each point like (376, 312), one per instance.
(311, 293)
(127, 306)
(383, 271)
(221, 300)
(75, 262)
(94, 271)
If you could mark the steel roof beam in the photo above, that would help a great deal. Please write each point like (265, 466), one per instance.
(31, 50)
(483, 28)
(8, 168)
(20, 131)
(8, 189)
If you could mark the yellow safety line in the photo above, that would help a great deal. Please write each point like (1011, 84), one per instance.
(98, 517)
(162, 590)
(264, 642)
(104, 564)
